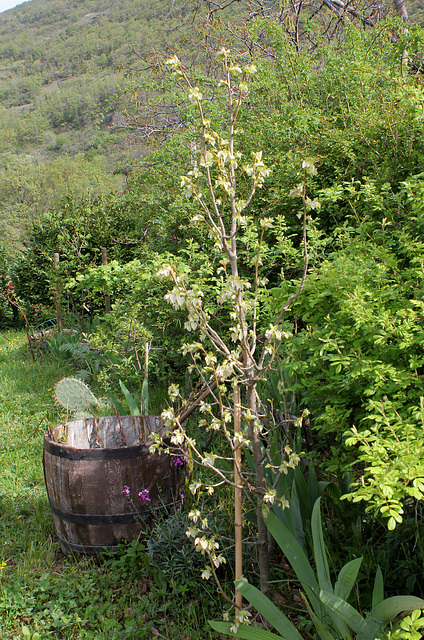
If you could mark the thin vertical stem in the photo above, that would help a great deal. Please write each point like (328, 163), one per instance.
(238, 531)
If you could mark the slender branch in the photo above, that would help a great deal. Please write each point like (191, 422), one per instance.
(299, 290)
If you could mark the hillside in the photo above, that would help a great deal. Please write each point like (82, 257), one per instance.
(61, 63)
(64, 104)
(60, 70)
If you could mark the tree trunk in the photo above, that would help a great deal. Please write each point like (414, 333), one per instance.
(260, 484)
(401, 9)
(238, 517)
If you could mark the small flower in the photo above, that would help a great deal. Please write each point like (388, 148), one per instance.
(194, 94)
(182, 497)
(179, 462)
(243, 616)
(144, 495)
(177, 437)
(194, 515)
(126, 490)
(173, 391)
(284, 504)
(270, 496)
(195, 486)
(209, 460)
(173, 62)
(250, 69)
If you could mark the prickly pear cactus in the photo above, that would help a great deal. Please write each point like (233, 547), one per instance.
(75, 395)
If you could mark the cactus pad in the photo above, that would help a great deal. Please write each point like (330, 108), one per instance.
(75, 395)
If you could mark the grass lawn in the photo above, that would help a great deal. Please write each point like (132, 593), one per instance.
(44, 594)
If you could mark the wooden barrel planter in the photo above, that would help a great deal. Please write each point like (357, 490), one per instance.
(103, 484)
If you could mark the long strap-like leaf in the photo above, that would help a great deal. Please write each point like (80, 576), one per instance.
(387, 610)
(268, 610)
(320, 553)
(347, 614)
(378, 591)
(297, 558)
(134, 408)
(347, 578)
(323, 570)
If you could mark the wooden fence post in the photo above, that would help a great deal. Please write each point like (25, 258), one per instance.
(107, 298)
(56, 294)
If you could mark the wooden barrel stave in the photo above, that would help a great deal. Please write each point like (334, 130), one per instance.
(85, 487)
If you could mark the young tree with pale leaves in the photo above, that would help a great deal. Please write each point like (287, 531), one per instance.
(233, 360)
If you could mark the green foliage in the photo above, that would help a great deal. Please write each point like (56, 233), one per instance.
(351, 90)
(268, 610)
(295, 496)
(410, 628)
(391, 452)
(8, 313)
(327, 603)
(64, 112)
(173, 559)
(77, 230)
(70, 347)
(45, 595)
(139, 314)
(58, 342)
(137, 406)
(169, 557)
(363, 332)
(28, 188)
(357, 360)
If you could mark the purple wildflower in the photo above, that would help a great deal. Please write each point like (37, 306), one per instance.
(182, 497)
(126, 490)
(144, 495)
(179, 462)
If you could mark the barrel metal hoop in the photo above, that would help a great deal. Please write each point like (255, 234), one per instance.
(99, 519)
(86, 548)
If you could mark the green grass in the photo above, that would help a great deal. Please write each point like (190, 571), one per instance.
(44, 594)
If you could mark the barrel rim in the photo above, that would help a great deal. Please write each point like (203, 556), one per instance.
(67, 451)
